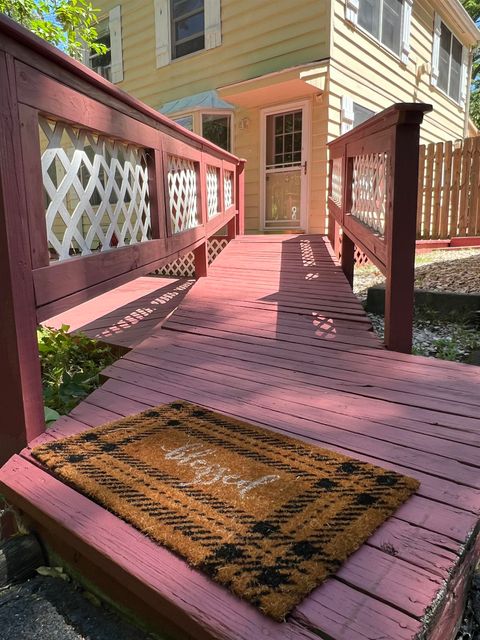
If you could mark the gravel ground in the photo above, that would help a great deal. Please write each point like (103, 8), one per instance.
(453, 270)
(46, 608)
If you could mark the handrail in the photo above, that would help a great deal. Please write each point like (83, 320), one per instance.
(96, 189)
(372, 198)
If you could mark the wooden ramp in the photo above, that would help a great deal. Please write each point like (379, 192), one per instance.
(275, 336)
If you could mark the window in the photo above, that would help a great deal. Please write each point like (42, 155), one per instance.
(108, 64)
(185, 121)
(383, 20)
(450, 64)
(102, 62)
(361, 114)
(188, 27)
(217, 128)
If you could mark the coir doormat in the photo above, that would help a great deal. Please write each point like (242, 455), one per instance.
(261, 513)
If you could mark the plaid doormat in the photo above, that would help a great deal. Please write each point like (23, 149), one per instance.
(267, 516)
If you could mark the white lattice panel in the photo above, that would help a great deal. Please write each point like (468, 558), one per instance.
(184, 267)
(213, 183)
(228, 189)
(336, 188)
(96, 191)
(369, 190)
(182, 192)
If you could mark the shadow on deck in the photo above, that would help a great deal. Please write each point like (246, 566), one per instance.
(275, 336)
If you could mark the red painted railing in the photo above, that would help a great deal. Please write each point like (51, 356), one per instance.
(372, 197)
(96, 188)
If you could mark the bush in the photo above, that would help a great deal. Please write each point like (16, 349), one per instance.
(71, 365)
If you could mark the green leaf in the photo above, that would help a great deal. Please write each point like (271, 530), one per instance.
(50, 415)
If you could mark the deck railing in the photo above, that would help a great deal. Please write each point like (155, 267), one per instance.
(96, 189)
(372, 198)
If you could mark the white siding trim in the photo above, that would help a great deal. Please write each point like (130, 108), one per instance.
(213, 24)
(351, 11)
(162, 32)
(436, 49)
(406, 27)
(115, 25)
(464, 77)
(347, 115)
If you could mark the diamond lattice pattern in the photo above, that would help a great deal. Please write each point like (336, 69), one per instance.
(96, 191)
(213, 184)
(184, 267)
(228, 189)
(336, 188)
(369, 190)
(182, 191)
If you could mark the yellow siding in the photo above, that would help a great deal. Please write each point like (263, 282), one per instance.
(257, 38)
(376, 78)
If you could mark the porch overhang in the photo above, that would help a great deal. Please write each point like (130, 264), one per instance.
(282, 86)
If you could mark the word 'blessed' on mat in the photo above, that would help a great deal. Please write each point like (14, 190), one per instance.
(266, 515)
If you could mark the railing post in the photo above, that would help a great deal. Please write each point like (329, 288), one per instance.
(400, 234)
(21, 388)
(201, 260)
(240, 193)
(348, 258)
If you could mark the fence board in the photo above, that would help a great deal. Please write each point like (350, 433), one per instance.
(421, 191)
(446, 191)
(456, 169)
(437, 189)
(427, 211)
(465, 186)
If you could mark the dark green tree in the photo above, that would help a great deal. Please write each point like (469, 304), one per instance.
(473, 8)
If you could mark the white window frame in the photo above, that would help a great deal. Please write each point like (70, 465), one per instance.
(197, 114)
(437, 31)
(116, 48)
(163, 31)
(352, 8)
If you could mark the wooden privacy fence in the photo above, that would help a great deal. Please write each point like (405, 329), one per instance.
(372, 197)
(96, 189)
(448, 189)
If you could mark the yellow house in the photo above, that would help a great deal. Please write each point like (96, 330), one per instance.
(274, 81)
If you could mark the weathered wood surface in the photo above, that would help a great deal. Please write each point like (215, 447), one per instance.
(19, 558)
(274, 335)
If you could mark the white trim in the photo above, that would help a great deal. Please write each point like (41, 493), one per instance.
(464, 77)
(162, 32)
(306, 106)
(351, 11)
(115, 25)
(406, 28)
(213, 24)
(347, 115)
(437, 30)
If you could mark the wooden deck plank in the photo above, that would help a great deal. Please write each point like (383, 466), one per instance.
(275, 336)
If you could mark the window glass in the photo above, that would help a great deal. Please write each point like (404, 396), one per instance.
(383, 19)
(369, 16)
(449, 64)
(217, 128)
(391, 24)
(185, 121)
(188, 27)
(102, 62)
(360, 114)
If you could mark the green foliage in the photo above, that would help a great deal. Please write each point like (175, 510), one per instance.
(71, 364)
(68, 24)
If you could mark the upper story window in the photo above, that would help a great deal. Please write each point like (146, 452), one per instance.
(449, 63)
(388, 21)
(183, 27)
(188, 27)
(383, 19)
(102, 62)
(108, 64)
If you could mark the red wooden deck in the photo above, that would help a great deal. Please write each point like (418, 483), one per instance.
(128, 314)
(275, 336)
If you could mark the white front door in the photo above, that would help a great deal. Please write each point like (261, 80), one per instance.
(284, 167)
